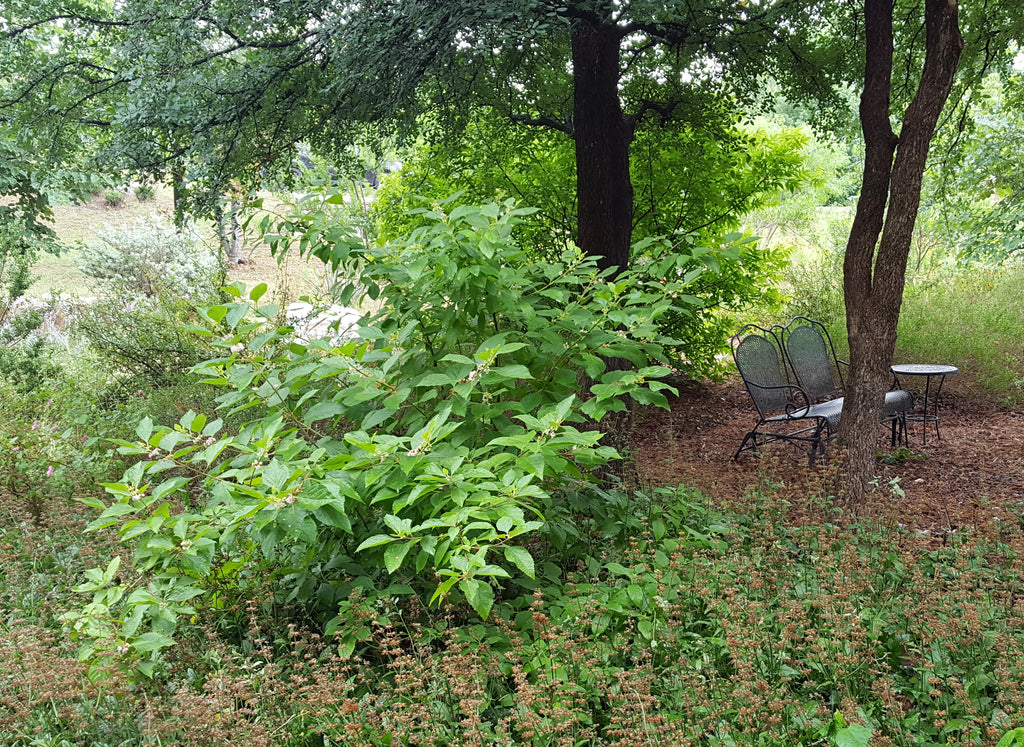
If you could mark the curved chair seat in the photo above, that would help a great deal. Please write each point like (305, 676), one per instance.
(830, 411)
(897, 402)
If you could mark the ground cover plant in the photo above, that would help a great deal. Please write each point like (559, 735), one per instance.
(212, 601)
(731, 628)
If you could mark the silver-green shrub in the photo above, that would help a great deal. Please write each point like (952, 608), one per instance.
(151, 257)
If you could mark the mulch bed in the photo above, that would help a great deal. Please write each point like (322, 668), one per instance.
(972, 475)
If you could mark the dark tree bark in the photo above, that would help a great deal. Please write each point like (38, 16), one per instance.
(602, 134)
(874, 269)
(179, 192)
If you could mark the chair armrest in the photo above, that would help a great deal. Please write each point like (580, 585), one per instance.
(796, 393)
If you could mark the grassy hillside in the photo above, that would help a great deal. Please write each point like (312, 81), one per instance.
(78, 224)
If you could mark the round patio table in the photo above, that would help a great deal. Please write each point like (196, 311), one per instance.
(929, 371)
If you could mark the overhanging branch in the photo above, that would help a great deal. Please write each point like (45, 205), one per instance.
(564, 125)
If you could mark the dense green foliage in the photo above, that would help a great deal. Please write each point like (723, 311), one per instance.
(424, 448)
(650, 617)
(980, 187)
(722, 274)
(206, 96)
(687, 180)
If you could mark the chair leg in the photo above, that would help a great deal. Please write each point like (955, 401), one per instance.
(743, 445)
(819, 443)
(898, 430)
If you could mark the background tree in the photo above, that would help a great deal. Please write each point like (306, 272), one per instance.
(612, 78)
(980, 182)
(687, 180)
(224, 89)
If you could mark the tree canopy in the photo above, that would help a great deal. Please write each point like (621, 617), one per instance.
(210, 92)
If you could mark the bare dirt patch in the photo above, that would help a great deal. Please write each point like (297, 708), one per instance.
(972, 475)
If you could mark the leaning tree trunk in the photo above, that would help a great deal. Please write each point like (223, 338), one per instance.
(603, 135)
(874, 269)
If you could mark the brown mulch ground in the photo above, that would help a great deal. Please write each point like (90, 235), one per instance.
(973, 474)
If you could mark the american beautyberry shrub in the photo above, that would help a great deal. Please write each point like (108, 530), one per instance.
(417, 457)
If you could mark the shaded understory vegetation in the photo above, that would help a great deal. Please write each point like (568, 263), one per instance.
(690, 625)
(417, 534)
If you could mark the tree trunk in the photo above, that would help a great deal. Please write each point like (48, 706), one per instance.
(603, 135)
(874, 270)
(178, 192)
(229, 231)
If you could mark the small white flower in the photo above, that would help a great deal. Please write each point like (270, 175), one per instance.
(237, 347)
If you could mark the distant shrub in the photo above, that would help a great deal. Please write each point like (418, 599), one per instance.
(142, 344)
(816, 286)
(970, 318)
(113, 198)
(151, 257)
(144, 192)
(24, 354)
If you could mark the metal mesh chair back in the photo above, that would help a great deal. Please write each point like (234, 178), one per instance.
(809, 356)
(757, 359)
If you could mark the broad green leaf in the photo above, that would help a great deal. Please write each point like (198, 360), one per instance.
(322, 411)
(146, 668)
(646, 628)
(257, 292)
(168, 486)
(1012, 738)
(520, 557)
(479, 594)
(619, 570)
(214, 313)
(275, 475)
(854, 735)
(395, 553)
(235, 313)
(375, 541)
(513, 371)
(144, 429)
(151, 641)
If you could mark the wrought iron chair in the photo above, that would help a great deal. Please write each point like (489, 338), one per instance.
(785, 411)
(819, 371)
